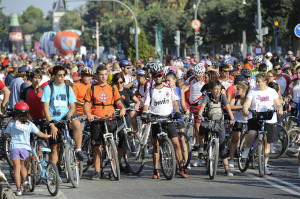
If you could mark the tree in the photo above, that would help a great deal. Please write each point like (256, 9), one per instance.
(70, 20)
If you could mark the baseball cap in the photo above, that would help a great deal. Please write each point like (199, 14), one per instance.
(269, 54)
(22, 69)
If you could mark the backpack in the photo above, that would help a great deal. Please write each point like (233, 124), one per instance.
(67, 91)
(215, 111)
(93, 100)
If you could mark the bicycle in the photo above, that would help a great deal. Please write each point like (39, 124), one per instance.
(166, 149)
(87, 146)
(211, 145)
(257, 148)
(109, 150)
(48, 170)
(131, 147)
(67, 158)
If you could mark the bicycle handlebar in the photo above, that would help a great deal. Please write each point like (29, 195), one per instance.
(63, 121)
(104, 118)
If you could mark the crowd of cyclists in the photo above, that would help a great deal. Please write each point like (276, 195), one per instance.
(218, 88)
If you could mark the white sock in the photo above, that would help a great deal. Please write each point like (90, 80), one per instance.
(76, 150)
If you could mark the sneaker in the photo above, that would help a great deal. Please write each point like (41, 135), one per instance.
(231, 164)
(201, 151)
(26, 186)
(2, 177)
(197, 163)
(18, 192)
(228, 173)
(182, 173)
(96, 176)
(267, 171)
(189, 166)
(80, 155)
(245, 153)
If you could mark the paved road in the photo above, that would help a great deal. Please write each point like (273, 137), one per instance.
(282, 184)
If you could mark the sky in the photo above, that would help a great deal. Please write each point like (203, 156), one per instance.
(18, 6)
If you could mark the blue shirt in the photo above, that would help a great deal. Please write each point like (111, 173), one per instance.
(15, 91)
(58, 107)
(20, 134)
(90, 64)
(178, 91)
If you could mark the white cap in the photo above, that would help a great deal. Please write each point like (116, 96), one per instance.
(269, 54)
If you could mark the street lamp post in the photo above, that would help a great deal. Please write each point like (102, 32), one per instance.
(195, 17)
(259, 23)
(136, 24)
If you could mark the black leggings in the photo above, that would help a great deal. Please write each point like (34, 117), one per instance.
(222, 143)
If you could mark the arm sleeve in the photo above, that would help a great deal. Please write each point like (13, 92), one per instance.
(46, 94)
(72, 98)
(174, 95)
(8, 128)
(205, 99)
(34, 129)
(250, 95)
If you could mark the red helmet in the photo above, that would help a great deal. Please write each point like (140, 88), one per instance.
(21, 107)
(138, 61)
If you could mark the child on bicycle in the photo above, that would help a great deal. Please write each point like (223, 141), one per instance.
(19, 129)
(214, 101)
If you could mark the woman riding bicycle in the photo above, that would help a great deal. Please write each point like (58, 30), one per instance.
(261, 99)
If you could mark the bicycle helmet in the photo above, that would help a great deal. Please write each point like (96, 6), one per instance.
(140, 72)
(86, 72)
(155, 68)
(21, 107)
(246, 72)
(258, 59)
(138, 61)
(166, 70)
(249, 58)
(125, 63)
(199, 69)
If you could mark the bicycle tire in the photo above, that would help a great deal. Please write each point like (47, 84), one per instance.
(167, 158)
(44, 156)
(7, 193)
(134, 163)
(243, 164)
(32, 175)
(80, 166)
(7, 153)
(113, 159)
(213, 158)
(292, 150)
(53, 178)
(281, 146)
(261, 157)
(72, 167)
(186, 160)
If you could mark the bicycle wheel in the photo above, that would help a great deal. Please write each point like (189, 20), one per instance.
(213, 155)
(167, 158)
(41, 157)
(243, 164)
(132, 160)
(32, 175)
(280, 147)
(293, 147)
(7, 153)
(52, 178)
(72, 167)
(261, 157)
(186, 149)
(113, 159)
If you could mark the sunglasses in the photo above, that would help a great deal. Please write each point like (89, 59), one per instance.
(226, 71)
(119, 83)
(277, 69)
(62, 75)
(158, 76)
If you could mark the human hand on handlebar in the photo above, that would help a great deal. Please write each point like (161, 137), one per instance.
(122, 111)
(90, 117)
(54, 131)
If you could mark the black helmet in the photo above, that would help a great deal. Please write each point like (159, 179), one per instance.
(246, 72)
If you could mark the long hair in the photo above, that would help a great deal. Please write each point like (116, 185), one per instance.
(22, 117)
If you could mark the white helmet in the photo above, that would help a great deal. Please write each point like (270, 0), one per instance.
(166, 70)
(199, 69)
(258, 59)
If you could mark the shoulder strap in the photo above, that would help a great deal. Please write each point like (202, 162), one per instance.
(68, 94)
(52, 89)
(92, 88)
(93, 101)
(237, 97)
(27, 93)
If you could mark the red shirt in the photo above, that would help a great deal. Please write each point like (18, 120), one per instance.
(33, 98)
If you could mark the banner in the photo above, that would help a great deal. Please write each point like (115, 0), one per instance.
(158, 39)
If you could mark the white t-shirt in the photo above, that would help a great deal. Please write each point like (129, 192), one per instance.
(262, 101)
(296, 91)
(195, 89)
(128, 79)
(269, 64)
(161, 102)
(253, 81)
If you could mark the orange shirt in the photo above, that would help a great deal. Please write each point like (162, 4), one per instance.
(247, 65)
(103, 98)
(80, 90)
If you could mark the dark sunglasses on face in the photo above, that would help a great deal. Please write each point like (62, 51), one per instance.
(62, 75)
(158, 76)
(226, 71)
(119, 83)
(277, 69)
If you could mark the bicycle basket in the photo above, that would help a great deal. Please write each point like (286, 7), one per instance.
(263, 115)
(212, 125)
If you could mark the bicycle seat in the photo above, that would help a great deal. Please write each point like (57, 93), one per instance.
(45, 149)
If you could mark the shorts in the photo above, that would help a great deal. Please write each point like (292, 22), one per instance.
(168, 127)
(237, 126)
(15, 154)
(272, 131)
(98, 129)
(196, 114)
(179, 125)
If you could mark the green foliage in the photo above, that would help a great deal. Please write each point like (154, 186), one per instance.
(70, 20)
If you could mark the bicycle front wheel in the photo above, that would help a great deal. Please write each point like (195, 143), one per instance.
(294, 135)
(133, 160)
(186, 148)
(113, 159)
(32, 174)
(213, 158)
(72, 166)
(52, 178)
(167, 158)
(243, 164)
(261, 157)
